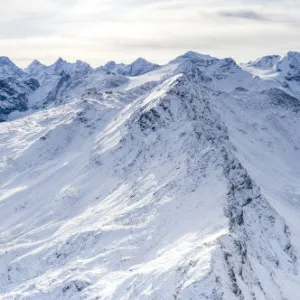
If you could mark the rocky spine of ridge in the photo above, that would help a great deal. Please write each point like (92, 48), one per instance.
(258, 238)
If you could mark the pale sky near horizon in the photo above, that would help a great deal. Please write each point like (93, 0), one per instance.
(100, 30)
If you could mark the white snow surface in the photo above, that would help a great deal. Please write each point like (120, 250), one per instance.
(179, 183)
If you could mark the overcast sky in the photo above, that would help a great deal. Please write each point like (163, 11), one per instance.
(100, 30)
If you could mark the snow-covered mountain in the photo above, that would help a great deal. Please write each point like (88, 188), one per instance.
(289, 66)
(15, 88)
(138, 67)
(79, 67)
(283, 70)
(266, 62)
(9, 69)
(152, 182)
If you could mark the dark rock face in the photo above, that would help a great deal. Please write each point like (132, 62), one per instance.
(15, 87)
(293, 77)
(5, 88)
(14, 95)
(290, 66)
(281, 98)
(63, 82)
(32, 83)
(192, 69)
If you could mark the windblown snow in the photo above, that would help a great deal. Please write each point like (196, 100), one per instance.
(142, 181)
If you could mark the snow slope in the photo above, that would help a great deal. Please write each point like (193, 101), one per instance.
(180, 183)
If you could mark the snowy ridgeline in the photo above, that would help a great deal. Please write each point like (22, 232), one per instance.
(150, 182)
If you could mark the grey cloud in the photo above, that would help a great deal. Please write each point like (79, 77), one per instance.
(283, 18)
(245, 14)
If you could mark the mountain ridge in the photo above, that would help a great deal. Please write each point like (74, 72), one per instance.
(177, 183)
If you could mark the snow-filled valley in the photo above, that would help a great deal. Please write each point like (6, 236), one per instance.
(142, 181)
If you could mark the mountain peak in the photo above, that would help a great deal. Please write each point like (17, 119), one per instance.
(80, 63)
(8, 68)
(293, 54)
(60, 61)
(265, 62)
(141, 66)
(35, 63)
(4, 60)
(192, 55)
(58, 66)
(289, 66)
(141, 60)
(110, 64)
